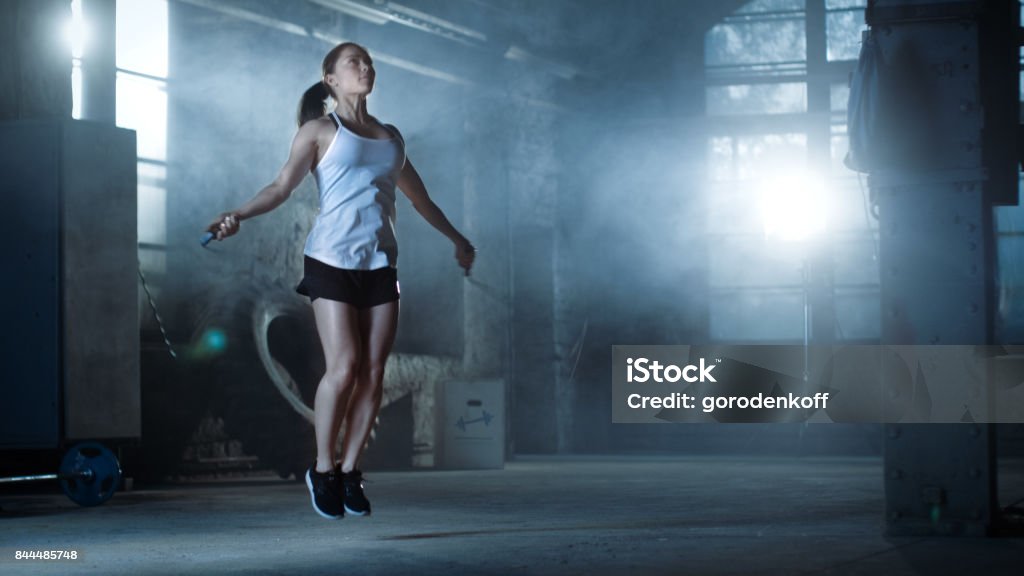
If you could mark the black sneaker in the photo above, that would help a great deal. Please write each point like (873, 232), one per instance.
(355, 501)
(324, 491)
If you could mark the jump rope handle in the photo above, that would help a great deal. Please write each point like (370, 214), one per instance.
(206, 238)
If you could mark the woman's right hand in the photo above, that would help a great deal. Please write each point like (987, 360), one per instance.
(227, 224)
(465, 253)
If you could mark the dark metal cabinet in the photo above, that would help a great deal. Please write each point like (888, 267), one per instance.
(68, 243)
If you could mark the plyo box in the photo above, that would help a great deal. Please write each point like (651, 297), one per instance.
(471, 423)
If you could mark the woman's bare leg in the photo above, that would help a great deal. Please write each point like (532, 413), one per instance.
(338, 326)
(339, 419)
(378, 326)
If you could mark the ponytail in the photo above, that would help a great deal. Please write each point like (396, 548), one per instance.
(313, 103)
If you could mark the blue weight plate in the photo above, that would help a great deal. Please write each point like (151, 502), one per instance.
(102, 474)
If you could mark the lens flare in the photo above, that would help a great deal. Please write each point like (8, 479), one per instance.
(212, 343)
(215, 340)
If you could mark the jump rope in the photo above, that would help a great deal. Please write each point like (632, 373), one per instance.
(491, 291)
(208, 236)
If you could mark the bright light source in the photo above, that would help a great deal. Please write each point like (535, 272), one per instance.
(792, 204)
(76, 32)
(76, 89)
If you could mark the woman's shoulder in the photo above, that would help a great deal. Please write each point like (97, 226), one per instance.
(318, 132)
(318, 126)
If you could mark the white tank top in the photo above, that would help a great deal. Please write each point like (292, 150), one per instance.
(355, 226)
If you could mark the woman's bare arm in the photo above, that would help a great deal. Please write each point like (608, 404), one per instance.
(300, 158)
(412, 186)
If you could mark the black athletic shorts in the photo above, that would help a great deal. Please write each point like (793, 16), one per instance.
(360, 288)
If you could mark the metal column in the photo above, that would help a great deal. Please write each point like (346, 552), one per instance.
(946, 103)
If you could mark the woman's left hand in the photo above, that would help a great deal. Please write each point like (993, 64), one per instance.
(465, 253)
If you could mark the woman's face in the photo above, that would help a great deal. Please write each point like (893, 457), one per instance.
(353, 72)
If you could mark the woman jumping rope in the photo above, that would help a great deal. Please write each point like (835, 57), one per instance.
(350, 260)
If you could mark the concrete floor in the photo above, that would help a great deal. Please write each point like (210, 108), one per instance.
(541, 515)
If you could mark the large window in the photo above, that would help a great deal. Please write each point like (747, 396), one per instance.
(777, 102)
(141, 106)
